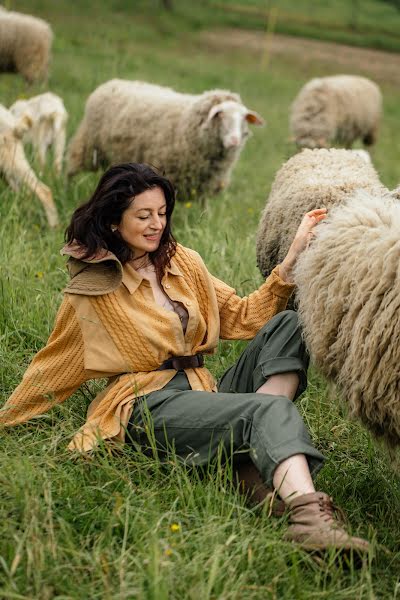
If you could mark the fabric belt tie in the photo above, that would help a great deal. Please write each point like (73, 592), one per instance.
(182, 362)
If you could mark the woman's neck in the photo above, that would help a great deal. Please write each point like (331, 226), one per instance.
(142, 262)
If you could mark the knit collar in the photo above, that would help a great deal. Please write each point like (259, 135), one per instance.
(102, 279)
(76, 250)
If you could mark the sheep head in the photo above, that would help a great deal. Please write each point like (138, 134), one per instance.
(232, 119)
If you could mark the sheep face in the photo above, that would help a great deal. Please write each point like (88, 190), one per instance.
(232, 119)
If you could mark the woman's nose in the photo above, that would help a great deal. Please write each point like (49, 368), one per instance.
(157, 223)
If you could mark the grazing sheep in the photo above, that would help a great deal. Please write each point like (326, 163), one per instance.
(349, 304)
(311, 179)
(336, 110)
(25, 45)
(196, 140)
(14, 165)
(49, 120)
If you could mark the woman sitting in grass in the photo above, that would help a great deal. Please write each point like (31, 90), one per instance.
(143, 310)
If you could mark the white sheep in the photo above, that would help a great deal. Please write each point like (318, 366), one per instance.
(310, 179)
(336, 110)
(25, 45)
(195, 139)
(49, 120)
(14, 165)
(348, 284)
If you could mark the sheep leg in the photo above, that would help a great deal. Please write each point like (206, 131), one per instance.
(42, 144)
(77, 150)
(59, 146)
(370, 138)
(18, 171)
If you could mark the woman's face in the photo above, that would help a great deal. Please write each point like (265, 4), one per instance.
(143, 223)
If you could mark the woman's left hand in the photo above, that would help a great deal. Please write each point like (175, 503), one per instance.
(301, 241)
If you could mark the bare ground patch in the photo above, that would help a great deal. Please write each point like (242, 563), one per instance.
(378, 64)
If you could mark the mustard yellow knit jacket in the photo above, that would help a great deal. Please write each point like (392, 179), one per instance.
(106, 327)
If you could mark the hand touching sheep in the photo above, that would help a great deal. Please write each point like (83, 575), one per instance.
(300, 242)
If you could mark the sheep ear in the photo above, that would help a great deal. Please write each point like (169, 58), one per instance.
(254, 118)
(213, 112)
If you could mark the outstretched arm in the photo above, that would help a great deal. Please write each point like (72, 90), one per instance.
(242, 318)
(53, 375)
(301, 240)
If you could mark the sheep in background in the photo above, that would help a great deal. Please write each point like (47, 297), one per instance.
(194, 139)
(311, 179)
(25, 45)
(336, 110)
(49, 121)
(15, 167)
(349, 305)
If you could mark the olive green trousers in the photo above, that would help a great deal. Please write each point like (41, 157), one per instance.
(263, 427)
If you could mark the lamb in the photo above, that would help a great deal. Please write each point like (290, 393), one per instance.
(349, 299)
(49, 120)
(195, 139)
(14, 165)
(25, 45)
(311, 179)
(336, 110)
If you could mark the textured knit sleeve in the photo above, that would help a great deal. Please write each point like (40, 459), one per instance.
(242, 318)
(53, 375)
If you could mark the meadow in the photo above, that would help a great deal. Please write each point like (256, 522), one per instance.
(123, 525)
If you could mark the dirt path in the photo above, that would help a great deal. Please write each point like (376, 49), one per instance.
(380, 65)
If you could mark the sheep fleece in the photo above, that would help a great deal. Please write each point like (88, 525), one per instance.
(349, 305)
(141, 122)
(340, 108)
(311, 179)
(25, 45)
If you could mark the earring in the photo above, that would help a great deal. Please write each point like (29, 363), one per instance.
(114, 228)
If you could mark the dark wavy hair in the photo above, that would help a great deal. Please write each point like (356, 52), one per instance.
(90, 224)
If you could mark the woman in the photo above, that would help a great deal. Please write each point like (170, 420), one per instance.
(142, 310)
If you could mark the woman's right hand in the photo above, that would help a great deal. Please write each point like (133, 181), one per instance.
(301, 241)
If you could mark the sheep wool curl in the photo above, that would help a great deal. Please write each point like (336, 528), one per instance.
(182, 134)
(311, 179)
(25, 45)
(349, 305)
(336, 110)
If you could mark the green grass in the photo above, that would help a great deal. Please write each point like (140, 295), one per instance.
(100, 527)
(368, 23)
(371, 23)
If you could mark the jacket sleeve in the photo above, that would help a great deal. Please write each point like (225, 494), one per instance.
(54, 374)
(242, 318)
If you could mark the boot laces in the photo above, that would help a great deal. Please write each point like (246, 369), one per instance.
(330, 511)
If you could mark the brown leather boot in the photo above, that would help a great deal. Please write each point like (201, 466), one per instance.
(252, 486)
(313, 524)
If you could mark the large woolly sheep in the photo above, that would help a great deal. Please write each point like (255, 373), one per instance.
(25, 45)
(349, 304)
(195, 139)
(311, 179)
(49, 121)
(336, 110)
(14, 165)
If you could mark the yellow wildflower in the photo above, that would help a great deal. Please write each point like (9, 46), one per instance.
(188, 205)
(174, 527)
